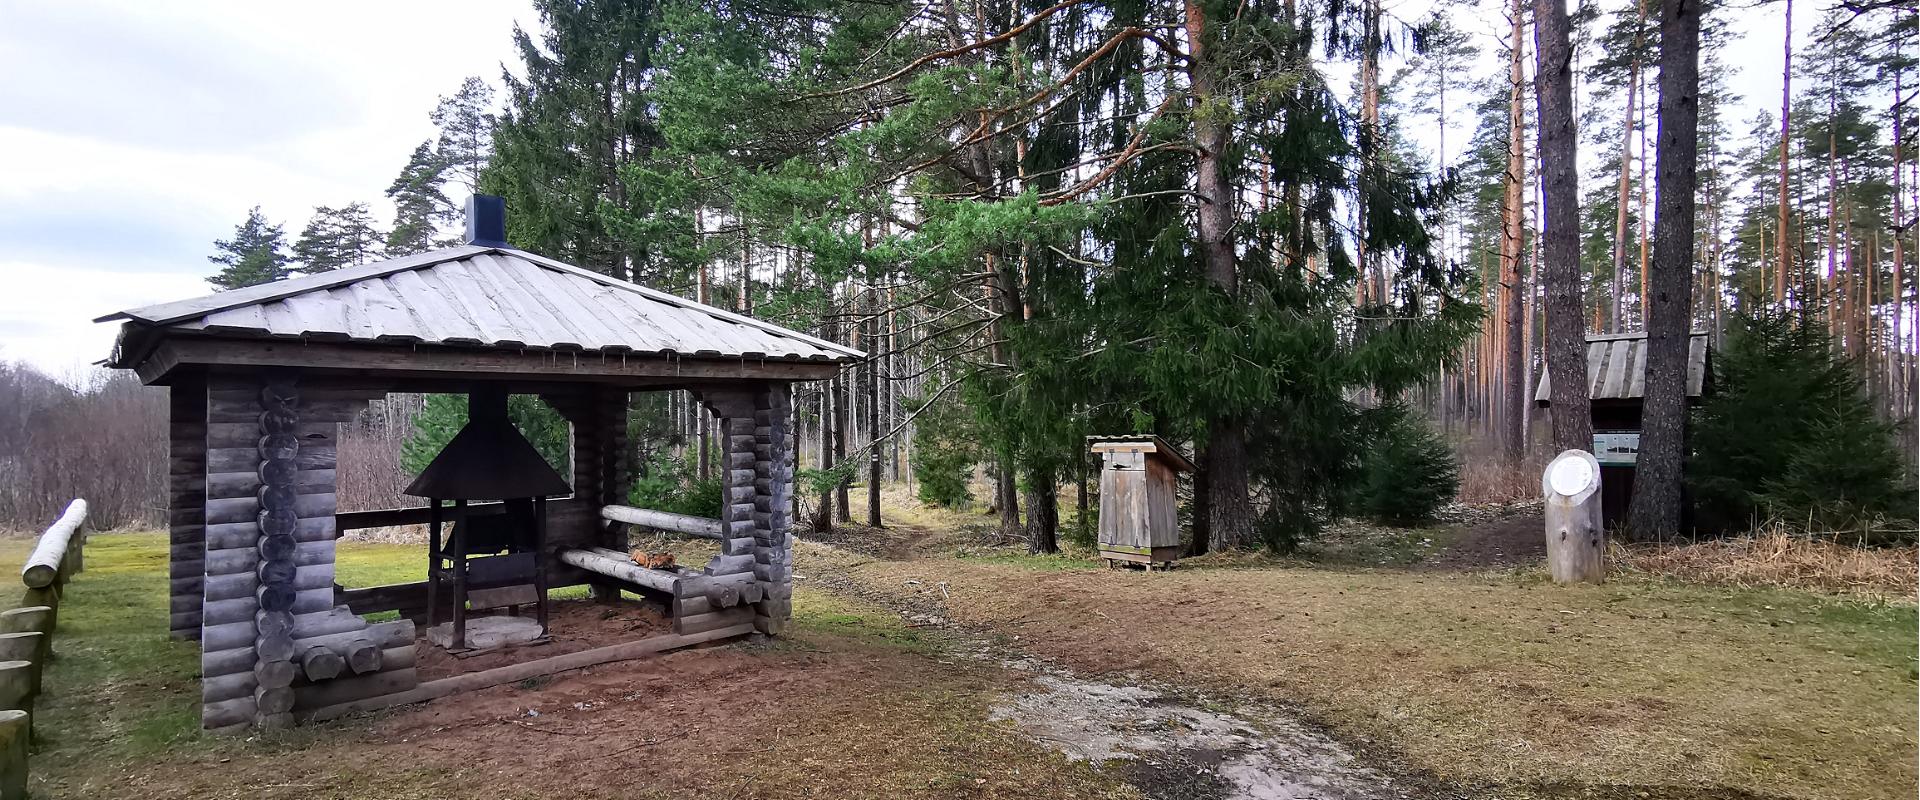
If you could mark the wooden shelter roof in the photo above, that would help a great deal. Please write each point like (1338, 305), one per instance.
(1617, 367)
(472, 297)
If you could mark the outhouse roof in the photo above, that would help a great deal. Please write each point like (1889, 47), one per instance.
(1617, 367)
(473, 296)
(1143, 444)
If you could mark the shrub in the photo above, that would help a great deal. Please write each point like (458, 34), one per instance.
(945, 449)
(943, 475)
(668, 485)
(1790, 436)
(1406, 472)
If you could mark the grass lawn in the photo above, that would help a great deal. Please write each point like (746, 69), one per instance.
(848, 705)
(1495, 681)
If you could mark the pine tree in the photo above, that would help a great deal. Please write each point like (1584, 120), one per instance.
(256, 254)
(418, 202)
(337, 237)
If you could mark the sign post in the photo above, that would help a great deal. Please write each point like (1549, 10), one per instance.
(1576, 540)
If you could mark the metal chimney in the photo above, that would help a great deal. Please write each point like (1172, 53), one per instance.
(487, 220)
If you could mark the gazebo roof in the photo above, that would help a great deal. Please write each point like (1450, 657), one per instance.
(471, 297)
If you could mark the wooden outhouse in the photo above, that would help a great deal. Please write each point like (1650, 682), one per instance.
(1139, 499)
(1616, 385)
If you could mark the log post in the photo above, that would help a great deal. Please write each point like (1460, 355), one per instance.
(16, 688)
(1576, 540)
(15, 726)
(186, 502)
(26, 646)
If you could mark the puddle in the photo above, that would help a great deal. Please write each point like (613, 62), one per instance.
(1175, 751)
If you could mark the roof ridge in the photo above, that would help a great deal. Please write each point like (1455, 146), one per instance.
(178, 310)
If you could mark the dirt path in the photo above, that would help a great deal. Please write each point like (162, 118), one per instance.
(1513, 541)
(1171, 742)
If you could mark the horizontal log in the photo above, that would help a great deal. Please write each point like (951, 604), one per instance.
(244, 584)
(247, 509)
(713, 620)
(186, 567)
(729, 564)
(241, 609)
(364, 657)
(227, 713)
(247, 434)
(358, 687)
(662, 520)
(305, 626)
(229, 561)
(246, 534)
(221, 688)
(271, 700)
(390, 597)
(228, 661)
(514, 673)
(321, 663)
(392, 633)
(184, 621)
(325, 411)
(44, 566)
(231, 485)
(600, 564)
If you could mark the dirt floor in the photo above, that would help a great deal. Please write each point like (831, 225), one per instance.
(572, 626)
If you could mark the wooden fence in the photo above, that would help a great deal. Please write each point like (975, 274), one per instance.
(26, 640)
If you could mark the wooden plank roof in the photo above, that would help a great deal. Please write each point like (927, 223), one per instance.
(478, 297)
(1617, 367)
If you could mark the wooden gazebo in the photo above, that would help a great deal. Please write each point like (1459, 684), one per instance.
(261, 377)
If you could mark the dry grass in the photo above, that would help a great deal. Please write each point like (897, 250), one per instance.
(1776, 558)
(1486, 476)
(1499, 684)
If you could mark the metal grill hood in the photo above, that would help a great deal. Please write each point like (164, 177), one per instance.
(488, 459)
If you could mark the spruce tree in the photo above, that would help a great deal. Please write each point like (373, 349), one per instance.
(337, 237)
(256, 254)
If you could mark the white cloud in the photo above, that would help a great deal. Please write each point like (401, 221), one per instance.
(134, 134)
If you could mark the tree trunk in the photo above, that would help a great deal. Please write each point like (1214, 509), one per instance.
(1512, 245)
(1043, 512)
(1008, 490)
(1560, 235)
(1626, 170)
(1655, 513)
(1202, 536)
(1231, 508)
(1780, 249)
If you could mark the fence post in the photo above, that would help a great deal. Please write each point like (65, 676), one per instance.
(14, 732)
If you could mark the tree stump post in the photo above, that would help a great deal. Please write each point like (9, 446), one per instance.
(14, 733)
(1576, 540)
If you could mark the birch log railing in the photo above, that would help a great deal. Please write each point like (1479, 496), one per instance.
(26, 640)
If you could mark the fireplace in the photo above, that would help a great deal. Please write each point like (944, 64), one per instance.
(491, 557)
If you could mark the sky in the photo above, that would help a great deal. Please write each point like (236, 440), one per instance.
(134, 134)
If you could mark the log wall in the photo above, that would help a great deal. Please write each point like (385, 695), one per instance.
(265, 549)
